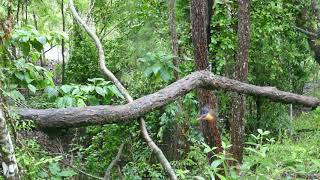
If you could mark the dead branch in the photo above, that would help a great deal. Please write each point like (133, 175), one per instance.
(163, 160)
(308, 33)
(91, 115)
(113, 163)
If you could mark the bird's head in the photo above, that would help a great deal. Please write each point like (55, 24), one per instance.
(207, 114)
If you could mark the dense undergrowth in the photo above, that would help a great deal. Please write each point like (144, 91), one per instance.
(290, 154)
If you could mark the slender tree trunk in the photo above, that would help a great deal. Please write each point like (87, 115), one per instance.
(241, 71)
(210, 13)
(174, 37)
(26, 11)
(62, 43)
(7, 157)
(308, 29)
(36, 26)
(18, 10)
(199, 21)
(175, 139)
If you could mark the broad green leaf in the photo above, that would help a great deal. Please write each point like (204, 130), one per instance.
(32, 88)
(28, 78)
(100, 91)
(115, 91)
(87, 89)
(216, 163)
(148, 72)
(81, 103)
(51, 91)
(16, 95)
(37, 45)
(19, 75)
(54, 168)
(25, 47)
(76, 91)
(93, 101)
(67, 173)
(165, 75)
(42, 40)
(156, 68)
(66, 88)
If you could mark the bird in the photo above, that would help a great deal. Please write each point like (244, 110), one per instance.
(208, 114)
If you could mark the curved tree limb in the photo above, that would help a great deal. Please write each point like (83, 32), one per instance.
(84, 116)
(113, 163)
(108, 74)
(163, 160)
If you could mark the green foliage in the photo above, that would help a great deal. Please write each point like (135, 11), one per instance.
(136, 38)
(83, 61)
(36, 164)
(24, 76)
(28, 38)
(96, 92)
(159, 66)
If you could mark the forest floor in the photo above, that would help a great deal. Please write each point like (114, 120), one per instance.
(295, 154)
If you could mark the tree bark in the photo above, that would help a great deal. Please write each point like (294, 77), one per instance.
(200, 22)
(241, 72)
(310, 31)
(174, 38)
(7, 157)
(93, 115)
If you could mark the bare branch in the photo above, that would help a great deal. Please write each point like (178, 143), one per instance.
(84, 116)
(98, 44)
(306, 32)
(163, 160)
(113, 163)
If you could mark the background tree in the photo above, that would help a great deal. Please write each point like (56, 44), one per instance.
(237, 129)
(199, 20)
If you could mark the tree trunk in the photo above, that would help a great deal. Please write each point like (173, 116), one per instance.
(241, 71)
(18, 10)
(308, 29)
(62, 43)
(7, 157)
(173, 139)
(199, 21)
(26, 12)
(174, 37)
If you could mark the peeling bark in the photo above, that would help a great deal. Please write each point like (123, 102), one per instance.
(7, 157)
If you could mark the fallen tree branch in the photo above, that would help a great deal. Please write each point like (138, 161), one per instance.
(91, 115)
(163, 160)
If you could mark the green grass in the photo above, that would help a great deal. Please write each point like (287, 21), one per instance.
(291, 156)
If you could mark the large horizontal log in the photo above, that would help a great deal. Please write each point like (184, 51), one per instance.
(91, 115)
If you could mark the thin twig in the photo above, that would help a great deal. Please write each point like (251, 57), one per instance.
(49, 49)
(82, 172)
(306, 32)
